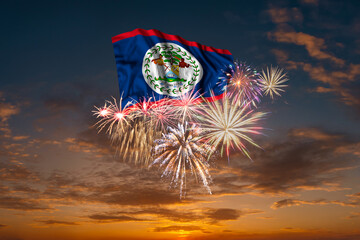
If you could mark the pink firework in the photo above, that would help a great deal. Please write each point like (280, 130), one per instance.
(243, 84)
(187, 106)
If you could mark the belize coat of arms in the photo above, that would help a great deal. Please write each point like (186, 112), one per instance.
(171, 70)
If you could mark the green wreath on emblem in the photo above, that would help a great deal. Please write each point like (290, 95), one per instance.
(170, 50)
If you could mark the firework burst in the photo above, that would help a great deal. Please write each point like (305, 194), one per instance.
(187, 106)
(242, 84)
(272, 81)
(227, 125)
(163, 116)
(113, 116)
(181, 150)
(135, 142)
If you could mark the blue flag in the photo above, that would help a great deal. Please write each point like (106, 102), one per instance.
(158, 65)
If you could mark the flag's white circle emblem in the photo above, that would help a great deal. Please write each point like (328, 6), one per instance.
(171, 70)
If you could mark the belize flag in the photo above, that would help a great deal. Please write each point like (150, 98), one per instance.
(159, 65)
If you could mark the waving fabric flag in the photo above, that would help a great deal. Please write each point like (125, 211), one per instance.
(154, 64)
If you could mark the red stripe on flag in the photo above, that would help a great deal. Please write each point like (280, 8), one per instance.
(153, 32)
(173, 102)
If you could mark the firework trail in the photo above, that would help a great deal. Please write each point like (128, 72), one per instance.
(163, 116)
(134, 143)
(130, 130)
(228, 125)
(242, 84)
(272, 81)
(187, 106)
(113, 116)
(181, 150)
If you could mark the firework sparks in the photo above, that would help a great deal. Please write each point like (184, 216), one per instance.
(113, 116)
(181, 150)
(227, 125)
(146, 133)
(242, 84)
(187, 105)
(272, 81)
(163, 116)
(135, 142)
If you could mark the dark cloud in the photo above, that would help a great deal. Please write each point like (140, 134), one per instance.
(55, 222)
(223, 214)
(133, 196)
(25, 204)
(120, 185)
(177, 228)
(24, 188)
(309, 159)
(295, 202)
(61, 103)
(226, 214)
(175, 215)
(2, 226)
(212, 216)
(15, 172)
(354, 215)
(114, 218)
(352, 201)
(90, 141)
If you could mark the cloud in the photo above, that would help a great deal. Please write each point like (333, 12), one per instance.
(178, 228)
(354, 215)
(3, 225)
(55, 222)
(310, 2)
(313, 133)
(226, 214)
(116, 185)
(352, 201)
(89, 141)
(7, 110)
(308, 159)
(175, 215)
(25, 204)
(212, 216)
(19, 138)
(60, 103)
(15, 172)
(223, 214)
(295, 202)
(24, 188)
(114, 218)
(339, 82)
(284, 15)
(313, 45)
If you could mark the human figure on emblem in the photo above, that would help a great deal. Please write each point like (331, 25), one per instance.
(160, 66)
(182, 70)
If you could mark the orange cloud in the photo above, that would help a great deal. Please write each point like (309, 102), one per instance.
(283, 15)
(352, 201)
(55, 222)
(313, 45)
(7, 110)
(313, 133)
(337, 80)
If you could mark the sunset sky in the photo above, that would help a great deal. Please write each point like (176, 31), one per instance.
(61, 180)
